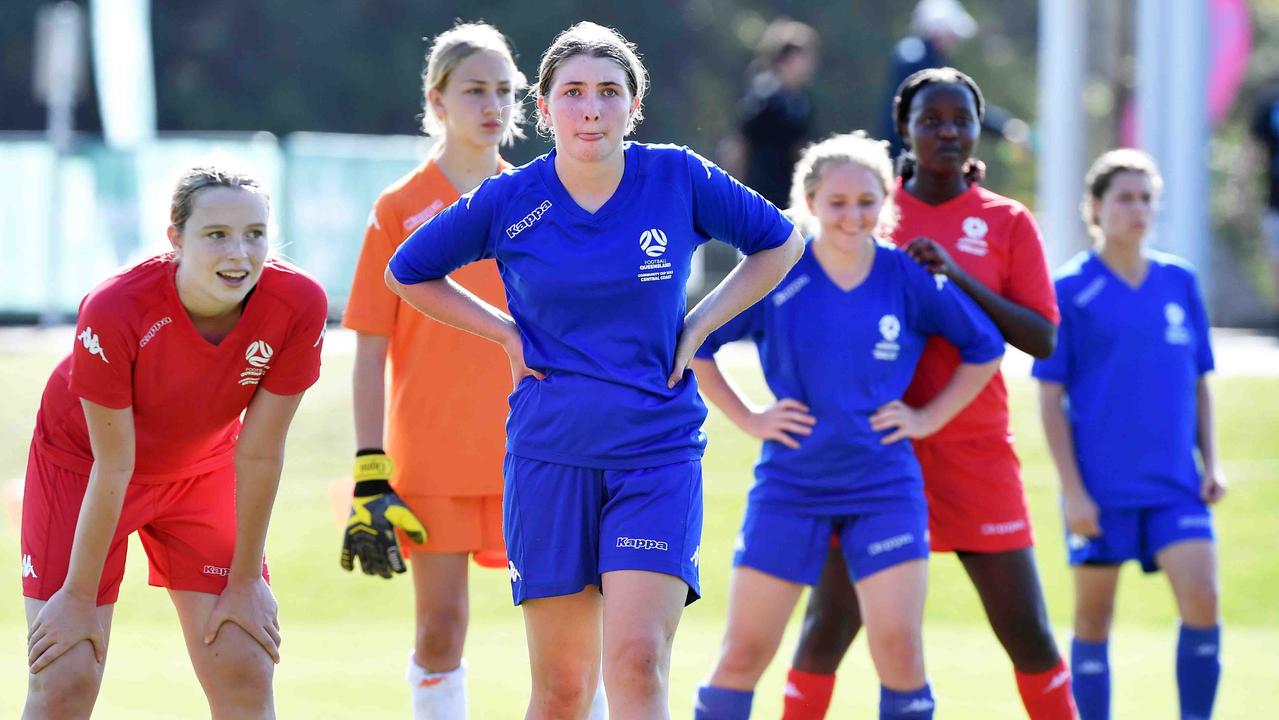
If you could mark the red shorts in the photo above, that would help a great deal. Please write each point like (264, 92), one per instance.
(187, 530)
(976, 501)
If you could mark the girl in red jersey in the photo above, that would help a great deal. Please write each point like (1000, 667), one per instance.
(140, 429)
(989, 245)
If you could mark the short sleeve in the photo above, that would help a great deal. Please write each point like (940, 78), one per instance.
(749, 323)
(938, 307)
(727, 210)
(371, 306)
(1204, 360)
(297, 364)
(1029, 282)
(1057, 367)
(104, 353)
(459, 235)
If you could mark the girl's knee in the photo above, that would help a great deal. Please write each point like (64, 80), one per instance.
(66, 688)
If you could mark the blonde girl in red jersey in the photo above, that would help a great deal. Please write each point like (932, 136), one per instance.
(989, 246)
(140, 429)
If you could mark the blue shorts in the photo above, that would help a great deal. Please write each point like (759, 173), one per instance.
(793, 546)
(1140, 533)
(566, 526)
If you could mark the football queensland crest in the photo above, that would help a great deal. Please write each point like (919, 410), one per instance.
(887, 349)
(1176, 333)
(259, 353)
(653, 242)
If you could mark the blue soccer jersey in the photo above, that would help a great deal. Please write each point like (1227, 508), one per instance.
(598, 297)
(845, 354)
(1130, 360)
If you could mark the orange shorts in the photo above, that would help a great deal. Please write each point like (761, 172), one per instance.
(455, 524)
(976, 501)
(187, 529)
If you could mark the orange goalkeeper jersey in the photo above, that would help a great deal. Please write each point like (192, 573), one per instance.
(446, 414)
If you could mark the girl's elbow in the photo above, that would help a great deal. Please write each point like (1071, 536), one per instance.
(389, 278)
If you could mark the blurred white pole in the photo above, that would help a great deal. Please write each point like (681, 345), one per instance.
(1172, 121)
(123, 69)
(1059, 172)
(59, 65)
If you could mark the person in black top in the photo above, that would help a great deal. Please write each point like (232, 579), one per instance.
(936, 29)
(1265, 127)
(776, 116)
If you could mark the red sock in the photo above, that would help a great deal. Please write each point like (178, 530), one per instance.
(1046, 695)
(807, 695)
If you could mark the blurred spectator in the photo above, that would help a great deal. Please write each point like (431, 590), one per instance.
(937, 27)
(775, 119)
(1265, 126)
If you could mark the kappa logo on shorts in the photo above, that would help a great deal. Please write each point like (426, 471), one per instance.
(1003, 528)
(1176, 332)
(216, 571)
(258, 355)
(28, 568)
(515, 574)
(642, 544)
(697, 557)
(889, 544)
(887, 349)
(90, 342)
(1194, 521)
(974, 240)
(1077, 541)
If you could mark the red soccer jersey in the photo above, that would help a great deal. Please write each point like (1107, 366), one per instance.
(994, 239)
(136, 346)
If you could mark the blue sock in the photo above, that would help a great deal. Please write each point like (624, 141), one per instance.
(909, 705)
(715, 703)
(1090, 673)
(1198, 669)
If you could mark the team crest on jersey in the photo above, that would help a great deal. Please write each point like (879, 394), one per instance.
(1176, 333)
(90, 342)
(974, 240)
(887, 349)
(258, 355)
(653, 243)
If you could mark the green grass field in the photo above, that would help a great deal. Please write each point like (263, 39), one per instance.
(346, 638)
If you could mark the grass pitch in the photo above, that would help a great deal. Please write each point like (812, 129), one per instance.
(347, 637)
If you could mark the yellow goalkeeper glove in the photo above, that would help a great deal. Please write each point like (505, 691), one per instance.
(376, 512)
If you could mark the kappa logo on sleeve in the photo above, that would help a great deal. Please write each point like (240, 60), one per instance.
(90, 342)
(28, 568)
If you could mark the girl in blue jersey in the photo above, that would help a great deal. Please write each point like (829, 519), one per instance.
(838, 340)
(603, 473)
(1125, 405)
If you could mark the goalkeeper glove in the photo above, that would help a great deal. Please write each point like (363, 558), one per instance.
(376, 512)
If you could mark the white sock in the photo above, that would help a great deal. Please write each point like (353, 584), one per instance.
(599, 704)
(437, 696)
